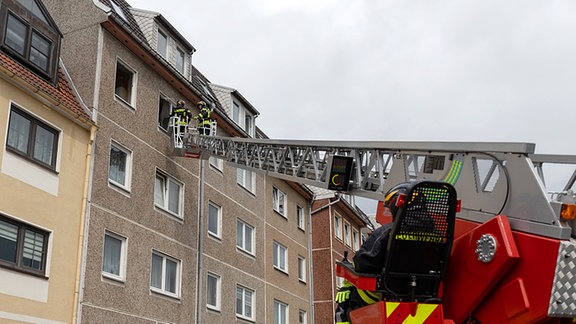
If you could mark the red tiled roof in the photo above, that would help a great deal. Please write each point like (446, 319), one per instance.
(62, 93)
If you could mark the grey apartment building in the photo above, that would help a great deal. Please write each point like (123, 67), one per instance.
(170, 239)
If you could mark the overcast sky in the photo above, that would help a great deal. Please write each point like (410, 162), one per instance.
(392, 70)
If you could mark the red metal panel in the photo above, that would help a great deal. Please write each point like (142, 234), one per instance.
(523, 296)
(364, 283)
(468, 280)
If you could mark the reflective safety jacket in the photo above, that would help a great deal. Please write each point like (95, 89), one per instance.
(183, 113)
(203, 118)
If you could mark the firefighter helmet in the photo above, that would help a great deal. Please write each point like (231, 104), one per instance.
(179, 104)
(392, 201)
(201, 104)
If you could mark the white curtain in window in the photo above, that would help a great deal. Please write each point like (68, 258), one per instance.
(159, 191)
(43, 145)
(171, 278)
(117, 170)
(173, 197)
(112, 254)
(156, 271)
(18, 132)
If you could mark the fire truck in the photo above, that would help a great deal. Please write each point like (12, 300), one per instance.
(507, 252)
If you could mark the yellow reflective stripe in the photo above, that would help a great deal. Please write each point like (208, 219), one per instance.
(423, 311)
(454, 172)
(368, 297)
(421, 237)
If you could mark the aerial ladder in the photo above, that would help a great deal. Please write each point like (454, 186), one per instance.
(513, 254)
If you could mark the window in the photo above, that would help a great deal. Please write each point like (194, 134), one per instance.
(244, 302)
(120, 169)
(162, 43)
(300, 217)
(244, 237)
(30, 41)
(280, 312)
(213, 291)
(164, 110)
(165, 274)
(168, 194)
(22, 246)
(242, 118)
(180, 60)
(114, 256)
(347, 233)
(279, 201)
(302, 268)
(216, 163)
(356, 240)
(246, 179)
(280, 255)
(125, 83)
(214, 219)
(31, 138)
(338, 226)
(118, 10)
(302, 317)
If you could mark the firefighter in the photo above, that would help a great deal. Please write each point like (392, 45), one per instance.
(184, 113)
(204, 120)
(370, 258)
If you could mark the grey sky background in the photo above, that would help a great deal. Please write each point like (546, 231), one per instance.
(392, 70)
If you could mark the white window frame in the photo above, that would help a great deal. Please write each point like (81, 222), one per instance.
(300, 217)
(164, 99)
(217, 291)
(347, 237)
(245, 302)
(301, 268)
(165, 49)
(163, 289)
(218, 210)
(216, 163)
(338, 226)
(280, 312)
(242, 176)
(355, 239)
(127, 172)
(242, 117)
(166, 185)
(302, 317)
(243, 226)
(280, 256)
(279, 200)
(121, 276)
(131, 101)
(180, 55)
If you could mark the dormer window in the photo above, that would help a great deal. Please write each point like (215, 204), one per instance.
(118, 10)
(28, 34)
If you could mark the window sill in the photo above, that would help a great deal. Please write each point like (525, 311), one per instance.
(124, 103)
(244, 318)
(280, 270)
(23, 270)
(246, 253)
(279, 213)
(118, 187)
(169, 214)
(163, 294)
(113, 279)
